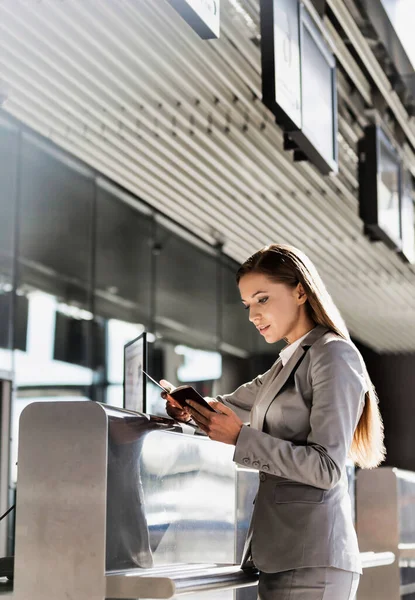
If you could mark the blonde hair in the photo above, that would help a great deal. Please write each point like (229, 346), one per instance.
(289, 265)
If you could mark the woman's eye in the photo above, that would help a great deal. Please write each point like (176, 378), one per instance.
(246, 307)
(263, 300)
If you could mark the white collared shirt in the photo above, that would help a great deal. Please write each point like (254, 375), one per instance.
(287, 352)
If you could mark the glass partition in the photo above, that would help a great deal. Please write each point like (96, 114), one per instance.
(9, 148)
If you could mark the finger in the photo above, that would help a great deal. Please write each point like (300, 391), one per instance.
(203, 428)
(199, 408)
(166, 384)
(174, 402)
(198, 417)
(219, 407)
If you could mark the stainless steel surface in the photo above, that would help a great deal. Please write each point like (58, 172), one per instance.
(133, 586)
(5, 397)
(170, 501)
(386, 523)
(189, 488)
(161, 583)
(246, 488)
(172, 519)
(61, 502)
(171, 496)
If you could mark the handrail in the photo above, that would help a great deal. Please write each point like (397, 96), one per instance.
(376, 559)
(6, 588)
(408, 588)
(406, 551)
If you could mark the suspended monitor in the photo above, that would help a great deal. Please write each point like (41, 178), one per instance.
(379, 187)
(299, 81)
(318, 135)
(281, 65)
(135, 360)
(408, 217)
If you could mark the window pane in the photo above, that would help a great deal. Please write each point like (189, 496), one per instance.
(123, 260)
(8, 173)
(38, 365)
(237, 330)
(185, 292)
(55, 217)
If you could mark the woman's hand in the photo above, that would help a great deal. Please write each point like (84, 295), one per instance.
(173, 408)
(223, 426)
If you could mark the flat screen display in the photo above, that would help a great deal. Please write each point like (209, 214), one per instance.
(287, 58)
(407, 217)
(135, 360)
(319, 99)
(388, 191)
(380, 187)
(281, 65)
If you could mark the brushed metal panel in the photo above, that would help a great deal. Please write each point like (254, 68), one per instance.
(189, 498)
(61, 503)
(381, 583)
(246, 489)
(377, 522)
(5, 393)
(122, 586)
(385, 523)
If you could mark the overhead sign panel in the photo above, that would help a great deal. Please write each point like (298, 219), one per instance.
(299, 81)
(319, 92)
(386, 193)
(408, 217)
(202, 15)
(318, 135)
(281, 72)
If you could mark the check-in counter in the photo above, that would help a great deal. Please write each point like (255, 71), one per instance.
(115, 504)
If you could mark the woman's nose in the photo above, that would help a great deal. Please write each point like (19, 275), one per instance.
(253, 315)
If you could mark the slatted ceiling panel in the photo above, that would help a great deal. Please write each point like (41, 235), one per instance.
(92, 76)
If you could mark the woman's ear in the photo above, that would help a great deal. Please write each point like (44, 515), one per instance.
(300, 294)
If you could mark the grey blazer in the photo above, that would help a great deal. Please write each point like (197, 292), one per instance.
(302, 418)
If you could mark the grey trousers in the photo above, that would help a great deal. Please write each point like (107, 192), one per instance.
(314, 583)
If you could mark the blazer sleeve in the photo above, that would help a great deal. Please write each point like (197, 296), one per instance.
(338, 392)
(242, 399)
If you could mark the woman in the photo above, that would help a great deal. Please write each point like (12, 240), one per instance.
(314, 407)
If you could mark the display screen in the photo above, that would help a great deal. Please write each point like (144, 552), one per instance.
(318, 92)
(407, 217)
(385, 192)
(287, 58)
(388, 192)
(135, 358)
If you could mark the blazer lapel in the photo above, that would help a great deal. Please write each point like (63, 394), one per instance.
(282, 375)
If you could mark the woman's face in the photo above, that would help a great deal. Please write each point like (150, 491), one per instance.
(276, 309)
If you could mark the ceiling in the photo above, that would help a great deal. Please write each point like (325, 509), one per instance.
(130, 89)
